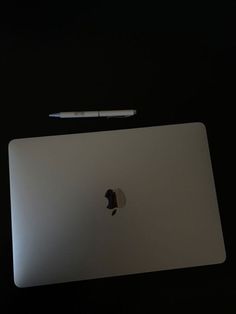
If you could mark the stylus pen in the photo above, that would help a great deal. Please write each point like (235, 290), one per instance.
(90, 114)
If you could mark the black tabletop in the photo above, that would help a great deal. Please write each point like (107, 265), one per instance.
(173, 64)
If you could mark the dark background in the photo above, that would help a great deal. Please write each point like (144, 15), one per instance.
(174, 63)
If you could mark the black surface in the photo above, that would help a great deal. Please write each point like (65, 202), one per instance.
(174, 64)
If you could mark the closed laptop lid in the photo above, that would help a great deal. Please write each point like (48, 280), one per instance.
(112, 203)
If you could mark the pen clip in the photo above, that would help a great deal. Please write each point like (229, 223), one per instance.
(109, 117)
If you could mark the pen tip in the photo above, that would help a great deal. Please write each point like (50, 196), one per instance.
(53, 115)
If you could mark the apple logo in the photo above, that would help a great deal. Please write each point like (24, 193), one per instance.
(116, 199)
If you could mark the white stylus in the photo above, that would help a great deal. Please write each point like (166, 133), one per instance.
(89, 114)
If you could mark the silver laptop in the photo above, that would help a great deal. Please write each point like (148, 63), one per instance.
(112, 203)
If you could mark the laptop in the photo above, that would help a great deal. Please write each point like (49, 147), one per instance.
(112, 203)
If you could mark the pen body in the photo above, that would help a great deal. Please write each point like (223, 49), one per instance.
(88, 114)
(79, 114)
